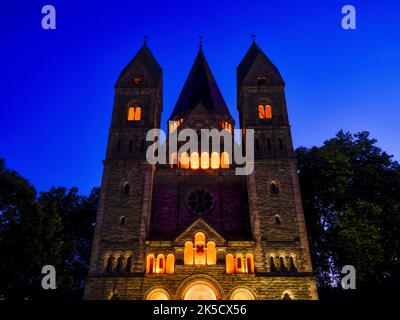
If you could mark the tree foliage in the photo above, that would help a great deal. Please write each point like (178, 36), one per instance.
(351, 195)
(55, 228)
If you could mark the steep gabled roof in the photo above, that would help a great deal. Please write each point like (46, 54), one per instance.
(143, 64)
(254, 54)
(201, 87)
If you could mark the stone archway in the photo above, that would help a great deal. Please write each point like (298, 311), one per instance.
(200, 287)
(200, 290)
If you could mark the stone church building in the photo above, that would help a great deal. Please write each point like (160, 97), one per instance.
(192, 229)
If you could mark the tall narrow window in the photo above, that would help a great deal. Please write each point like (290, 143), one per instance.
(224, 160)
(282, 266)
(138, 113)
(230, 265)
(174, 160)
(214, 160)
(131, 113)
(170, 263)
(268, 112)
(109, 265)
(128, 264)
(292, 266)
(127, 188)
(249, 263)
(274, 189)
(199, 248)
(211, 253)
(272, 266)
(150, 264)
(194, 160)
(185, 160)
(188, 253)
(205, 160)
(239, 263)
(261, 112)
(119, 264)
(160, 264)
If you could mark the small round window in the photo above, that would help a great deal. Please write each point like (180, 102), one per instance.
(200, 202)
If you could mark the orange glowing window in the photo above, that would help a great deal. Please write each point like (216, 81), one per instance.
(225, 160)
(170, 265)
(194, 160)
(211, 253)
(138, 113)
(188, 253)
(174, 160)
(131, 114)
(214, 160)
(160, 268)
(150, 264)
(261, 112)
(134, 113)
(230, 265)
(239, 263)
(199, 244)
(185, 160)
(268, 112)
(249, 263)
(205, 160)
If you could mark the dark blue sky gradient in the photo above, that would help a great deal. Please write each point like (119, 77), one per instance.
(56, 87)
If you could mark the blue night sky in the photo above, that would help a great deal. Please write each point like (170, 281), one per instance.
(56, 86)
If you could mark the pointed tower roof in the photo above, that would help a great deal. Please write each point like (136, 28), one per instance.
(253, 55)
(201, 87)
(143, 65)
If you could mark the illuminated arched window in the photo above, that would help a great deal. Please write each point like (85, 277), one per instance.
(170, 263)
(131, 113)
(230, 264)
(261, 112)
(194, 160)
(211, 253)
(239, 263)
(205, 160)
(249, 263)
(185, 160)
(268, 112)
(199, 248)
(242, 294)
(138, 113)
(188, 253)
(214, 160)
(225, 160)
(150, 264)
(160, 268)
(157, 294)
(174, 163)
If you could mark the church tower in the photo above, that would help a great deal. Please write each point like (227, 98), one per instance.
(125, 199)
(275, 201)
(192, 228)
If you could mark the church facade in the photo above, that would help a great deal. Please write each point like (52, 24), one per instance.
(193, 229)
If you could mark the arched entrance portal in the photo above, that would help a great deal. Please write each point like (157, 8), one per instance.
(200, 290)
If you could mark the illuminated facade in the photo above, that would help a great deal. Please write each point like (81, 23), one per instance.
(192, 229)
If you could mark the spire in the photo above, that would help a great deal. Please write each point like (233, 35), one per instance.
(144, 66)
(256, 58)
(201, 88)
